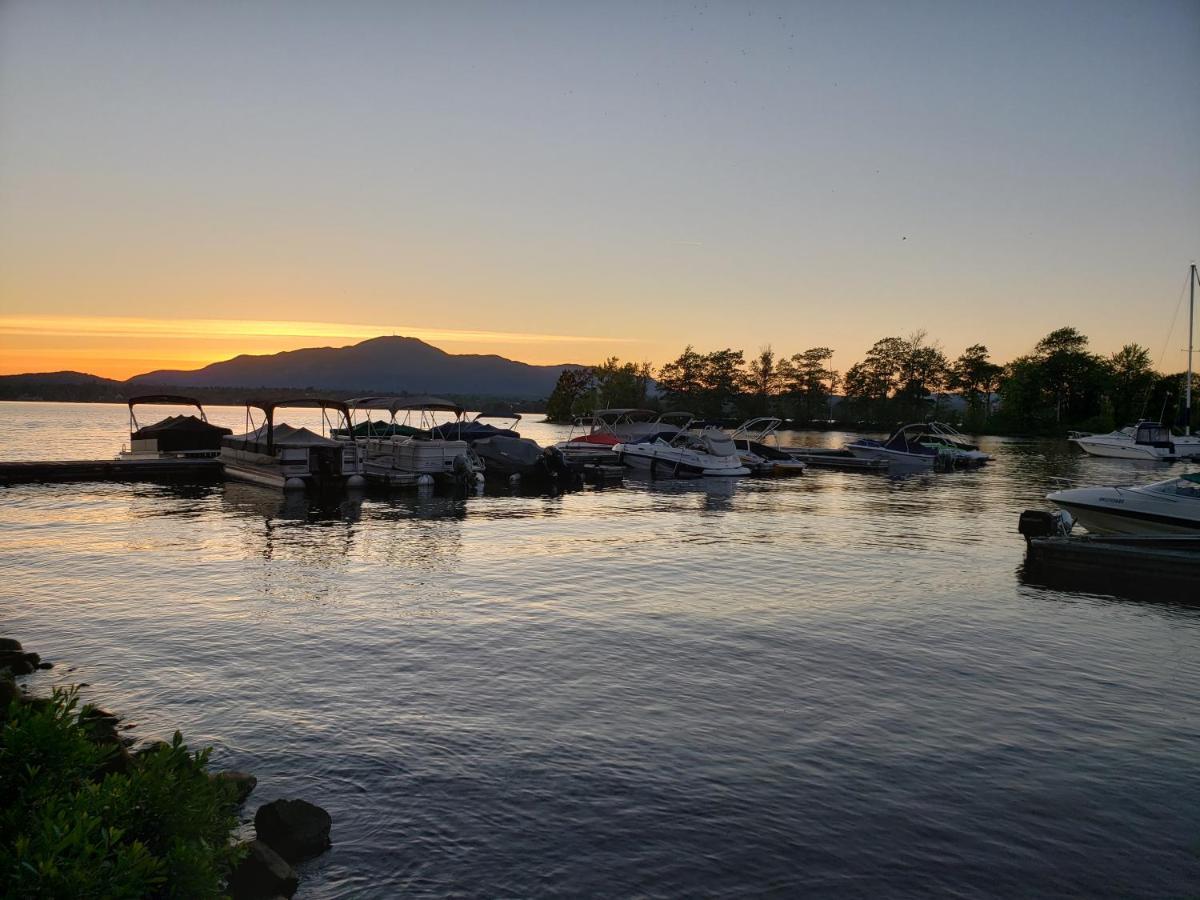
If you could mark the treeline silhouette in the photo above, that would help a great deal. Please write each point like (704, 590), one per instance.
(1059, 385)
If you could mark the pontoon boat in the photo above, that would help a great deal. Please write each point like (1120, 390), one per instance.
(405, 451)
(280, 456)
(175, 437)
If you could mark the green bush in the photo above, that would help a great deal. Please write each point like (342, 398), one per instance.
(160, 828)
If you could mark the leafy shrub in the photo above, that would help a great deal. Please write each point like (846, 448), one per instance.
(160, 828)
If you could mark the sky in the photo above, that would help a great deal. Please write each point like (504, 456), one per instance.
(182, 182)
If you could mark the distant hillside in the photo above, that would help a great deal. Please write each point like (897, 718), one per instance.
(57, 378)
(399, 364)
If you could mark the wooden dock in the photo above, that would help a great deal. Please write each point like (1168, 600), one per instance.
(108, 470)
(1123, 562)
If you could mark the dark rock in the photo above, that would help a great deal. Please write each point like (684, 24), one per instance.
(10, 645)
(17, 664)
(296, 829)
(95, 712)
(9, 694)
(262, 873)
(243, 783)
(45, 665)
(33, 659)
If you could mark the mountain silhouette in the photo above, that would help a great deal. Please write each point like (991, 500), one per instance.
(401, 364)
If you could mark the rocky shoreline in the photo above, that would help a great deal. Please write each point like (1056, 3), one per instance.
(287, 831)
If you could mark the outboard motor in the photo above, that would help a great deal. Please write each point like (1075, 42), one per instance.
(1045, 523)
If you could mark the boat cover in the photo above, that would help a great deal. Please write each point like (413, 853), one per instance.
(383, 429)
(470, 431)
(507, 455)
(176, 433)
(285, 436)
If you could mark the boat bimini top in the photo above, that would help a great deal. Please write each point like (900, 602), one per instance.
(425, 406)
(175, 433)
(260, 433)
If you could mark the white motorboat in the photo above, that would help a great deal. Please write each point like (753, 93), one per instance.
(1164, 507)
(757, 444)
(1152, 440)
(678, 452)
(408, 451)
(175, 437)
(609, 427)
(902, 448)
(1145, 441)
(280, 456)
(922, 445)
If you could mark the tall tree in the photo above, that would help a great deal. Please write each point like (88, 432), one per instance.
(976, 377)
(809, 381)
(681, 380)
(571, 387)
(1133, 380)
(763, 382)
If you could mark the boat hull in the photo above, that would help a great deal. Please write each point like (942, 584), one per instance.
(1116, 450)
(672, 462)
(900, 457)
(1129, 511)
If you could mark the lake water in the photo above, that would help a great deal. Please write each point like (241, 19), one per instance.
(836, 685)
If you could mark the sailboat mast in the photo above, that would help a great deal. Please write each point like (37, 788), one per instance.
(1191, 325)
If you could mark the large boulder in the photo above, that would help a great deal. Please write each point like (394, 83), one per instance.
(296, 829)
(243, 783)
(262, 873)
(10, 645)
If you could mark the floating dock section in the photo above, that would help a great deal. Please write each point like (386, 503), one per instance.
(108, 470)
(1158, 566)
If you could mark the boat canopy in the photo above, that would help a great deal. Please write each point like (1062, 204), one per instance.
(396, 404)
(269, 407)
(164, 400)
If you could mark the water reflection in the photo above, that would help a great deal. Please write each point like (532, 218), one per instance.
(245, 499)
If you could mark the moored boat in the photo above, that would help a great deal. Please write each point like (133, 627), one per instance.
(1146, 440)
(281, 456)
(406, 450)
(504, 452)
(678, 452)
(922, 445)
(757, 443)
(175, 437)
(1164, 507)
